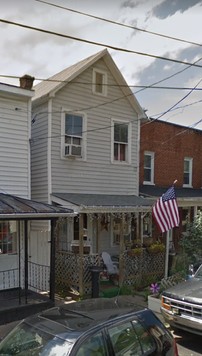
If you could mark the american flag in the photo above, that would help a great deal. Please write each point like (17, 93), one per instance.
(165, 211)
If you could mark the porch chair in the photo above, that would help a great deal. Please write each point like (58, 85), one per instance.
(109, 264)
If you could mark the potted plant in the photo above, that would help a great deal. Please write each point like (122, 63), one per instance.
(154, 298)
(156, 247)
(136, 248)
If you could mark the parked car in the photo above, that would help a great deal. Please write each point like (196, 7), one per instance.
(182, 304)
(99, 326)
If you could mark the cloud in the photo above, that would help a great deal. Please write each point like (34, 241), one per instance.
(130, 4)
(170, 7)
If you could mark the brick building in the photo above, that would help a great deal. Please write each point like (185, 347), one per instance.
(170, 152)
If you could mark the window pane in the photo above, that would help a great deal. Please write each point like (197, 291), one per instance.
(94, 346)
(73, 125)
(145, 338)
(121, 132)
(186, 178)
(99, 82)
(8, 237)
(147, 175)
(124, 340)
(122, 152)
(147, 161)
(186, 166)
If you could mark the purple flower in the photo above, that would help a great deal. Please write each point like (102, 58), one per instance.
(154, 288)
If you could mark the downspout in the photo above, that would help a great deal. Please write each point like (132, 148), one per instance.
(49, 170)
(29, 108)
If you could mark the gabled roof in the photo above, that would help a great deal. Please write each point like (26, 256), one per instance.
(14, 207)
(103, 202)
(59, 80)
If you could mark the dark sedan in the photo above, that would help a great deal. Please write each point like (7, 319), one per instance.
(100, 327)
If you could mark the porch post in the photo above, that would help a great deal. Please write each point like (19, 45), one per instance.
(26, 259)
(121, 259)
(98, 228)
(81, 253)
(52, 260)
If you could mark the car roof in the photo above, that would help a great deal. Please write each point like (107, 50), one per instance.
(86, 314)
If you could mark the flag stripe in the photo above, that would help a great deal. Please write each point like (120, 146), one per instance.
(165, 211)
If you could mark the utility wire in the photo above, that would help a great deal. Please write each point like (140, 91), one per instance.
(120, 24)
(143, 87)
(97, 43)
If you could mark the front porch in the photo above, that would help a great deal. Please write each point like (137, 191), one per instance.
(16, 302)
(74, 271)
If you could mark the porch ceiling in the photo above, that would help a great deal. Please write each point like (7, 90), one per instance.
(103, 202)
(14, 207)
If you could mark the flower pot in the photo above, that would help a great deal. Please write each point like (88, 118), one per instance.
(154, 303)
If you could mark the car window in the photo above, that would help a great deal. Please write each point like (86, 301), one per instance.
(94, 346)
(124, 340)
(146, 340)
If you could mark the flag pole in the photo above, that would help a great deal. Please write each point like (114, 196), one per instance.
(167, 254)
(168, 246)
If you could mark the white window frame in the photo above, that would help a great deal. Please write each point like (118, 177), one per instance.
(189, 172)
(104, 84)
(84, 134)
(8, 237)
(151, 154)
(117, 121)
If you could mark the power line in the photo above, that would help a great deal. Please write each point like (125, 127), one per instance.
(119, 23)
(97, 43)
(150, 86)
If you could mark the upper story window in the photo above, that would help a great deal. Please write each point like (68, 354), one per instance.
(8, 237)
(187, 179)
(99, 82)
(73, 144)
(148, 167)
(121, 142)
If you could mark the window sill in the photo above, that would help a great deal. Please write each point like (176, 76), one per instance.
(148, 183)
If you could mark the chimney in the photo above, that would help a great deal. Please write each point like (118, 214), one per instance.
(26, 82)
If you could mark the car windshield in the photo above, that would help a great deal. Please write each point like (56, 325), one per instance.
(26, 339)
(198, 273)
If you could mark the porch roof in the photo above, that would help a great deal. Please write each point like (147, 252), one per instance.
(183, 195)
(103, 202)
(14, 207)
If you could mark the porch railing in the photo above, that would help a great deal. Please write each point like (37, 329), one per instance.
(38, 277)
(9, 279)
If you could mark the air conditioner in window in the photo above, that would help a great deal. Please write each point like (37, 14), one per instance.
(73, 151)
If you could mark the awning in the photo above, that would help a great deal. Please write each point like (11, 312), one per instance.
(185, 196)
(102, 203)
(14, 207)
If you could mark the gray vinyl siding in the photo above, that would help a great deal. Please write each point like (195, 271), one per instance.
(39, 163)
(97, 174)
(14, 147)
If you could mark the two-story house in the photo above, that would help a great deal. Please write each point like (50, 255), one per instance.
(170, 152)
(85, 156)
(17, 274)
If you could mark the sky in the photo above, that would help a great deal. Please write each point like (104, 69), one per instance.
(153, 43)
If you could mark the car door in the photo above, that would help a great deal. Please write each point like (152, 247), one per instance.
(131, 338)
(93, 345)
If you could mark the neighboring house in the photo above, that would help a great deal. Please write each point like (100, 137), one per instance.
(170, 152)
(15, 130)
(16, 209)
(85, 156)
